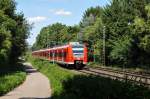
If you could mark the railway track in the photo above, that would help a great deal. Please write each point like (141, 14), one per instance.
(124, 71)
(126, 76)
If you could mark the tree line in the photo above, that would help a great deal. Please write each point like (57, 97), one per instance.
(126, 24)
(55, 34)
(14, 30)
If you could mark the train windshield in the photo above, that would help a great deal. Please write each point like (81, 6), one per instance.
(78, 50)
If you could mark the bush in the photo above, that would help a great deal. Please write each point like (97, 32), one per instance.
(93, 87)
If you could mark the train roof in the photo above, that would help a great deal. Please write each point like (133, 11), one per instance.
(56, 47)
(60, 47)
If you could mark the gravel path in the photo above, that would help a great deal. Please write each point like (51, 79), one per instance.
(36, 86)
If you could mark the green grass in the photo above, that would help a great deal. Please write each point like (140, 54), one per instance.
(68, 85)
(93, 64)
(11, 76)
(10, 81)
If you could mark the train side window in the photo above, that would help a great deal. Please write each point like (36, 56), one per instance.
(51, 54)
(59, 54)
(55, 54)
(64, 55)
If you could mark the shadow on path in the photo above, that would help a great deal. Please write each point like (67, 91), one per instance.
(29, 69)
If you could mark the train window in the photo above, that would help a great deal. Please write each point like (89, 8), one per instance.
(77, 51)
(51, 54)
(77, 46)
(65, 54)
(55, 54)
(60, 54)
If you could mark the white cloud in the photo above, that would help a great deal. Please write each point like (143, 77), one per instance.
(61, 12)
(36, 19)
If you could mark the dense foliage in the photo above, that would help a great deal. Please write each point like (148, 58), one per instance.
(14, 30)
(126, 25)
(127, 30)
(55, 34)
(67, 84)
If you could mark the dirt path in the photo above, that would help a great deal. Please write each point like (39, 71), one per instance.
(36, 86)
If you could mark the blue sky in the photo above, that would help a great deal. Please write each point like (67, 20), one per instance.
(46, 12)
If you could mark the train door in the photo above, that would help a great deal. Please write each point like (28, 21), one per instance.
(62, 55)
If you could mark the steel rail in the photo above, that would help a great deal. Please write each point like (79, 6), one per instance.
(120, 75)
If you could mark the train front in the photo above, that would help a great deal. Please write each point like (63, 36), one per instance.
(79, 52)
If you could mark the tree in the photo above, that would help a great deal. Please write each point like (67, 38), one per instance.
(55, 34)
(125, 18)
(127, 31)
(14, 31)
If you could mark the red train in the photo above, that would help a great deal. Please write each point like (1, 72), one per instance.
(73, 53)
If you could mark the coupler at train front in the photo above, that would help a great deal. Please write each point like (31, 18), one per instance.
(78, 64)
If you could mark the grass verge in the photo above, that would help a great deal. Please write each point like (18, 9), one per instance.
(11, 77)
(67, 85)
(10, 81)
(55, 74)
